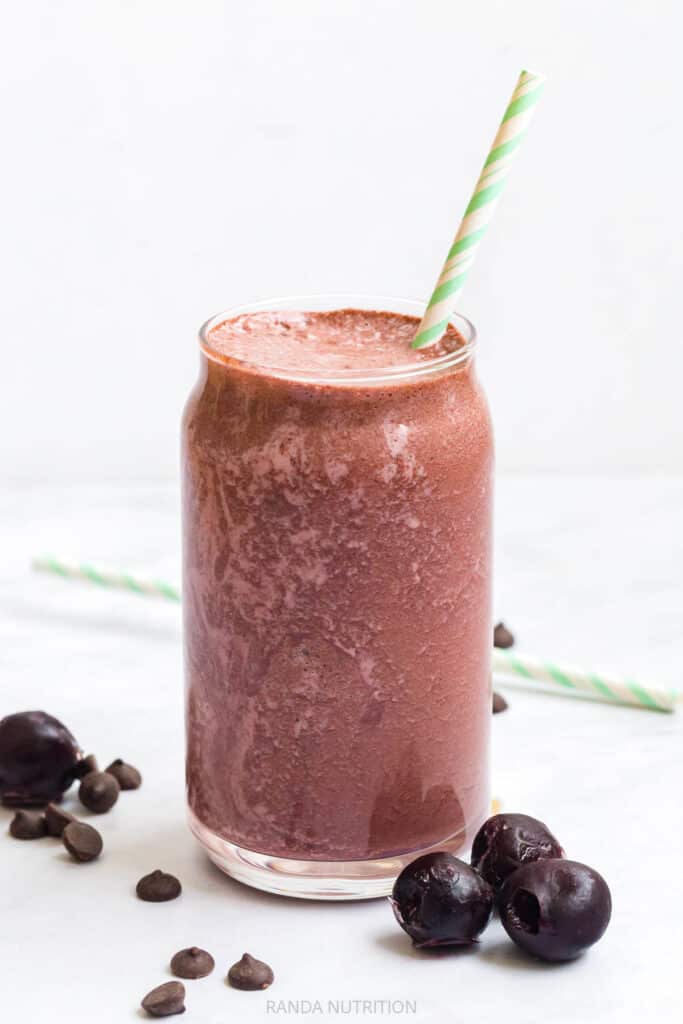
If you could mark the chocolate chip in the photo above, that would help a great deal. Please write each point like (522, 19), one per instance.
(57, 819)
(126, 776)
(499, 703)
(85, 766)
(28, 825)
(250, 974)
(83, 842)
(192, 963)
(165, 1000)
(158, 887)
(99, 792)
(502, 637)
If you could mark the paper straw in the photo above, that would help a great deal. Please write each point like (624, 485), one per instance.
(102, 576)
(600, 687)
(480, 208)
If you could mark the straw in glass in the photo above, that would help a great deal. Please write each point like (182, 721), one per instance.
(480, 209)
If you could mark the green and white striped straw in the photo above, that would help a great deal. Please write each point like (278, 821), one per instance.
(480, 208)
(103, 576)
(600, 687)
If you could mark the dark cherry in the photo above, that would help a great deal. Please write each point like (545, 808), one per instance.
(506, 841)
(38, 759)
(441, 901)
(554, 909)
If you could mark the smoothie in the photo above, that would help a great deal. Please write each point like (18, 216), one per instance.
(337, 570)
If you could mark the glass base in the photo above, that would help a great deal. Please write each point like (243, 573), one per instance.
(313, 879)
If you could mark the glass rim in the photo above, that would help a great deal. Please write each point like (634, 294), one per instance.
(322, 302)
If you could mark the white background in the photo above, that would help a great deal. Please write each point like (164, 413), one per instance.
(163, 160)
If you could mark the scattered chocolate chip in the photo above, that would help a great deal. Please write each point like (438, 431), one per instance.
(37, 759)
(99, 791)
(85, 766)
(158, 887)
(83, 842)
(165, 1000)
(502, 637)
(554, 909)
(499, 704)
(441, 901)
(57, 819)
(28, 825)
(507, 841)
(192, 963)
(250, 974)
(126, 776)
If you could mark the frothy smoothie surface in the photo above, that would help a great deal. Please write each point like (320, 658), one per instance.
(324, 343)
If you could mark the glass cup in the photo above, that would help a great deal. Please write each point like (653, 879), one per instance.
(337, 610)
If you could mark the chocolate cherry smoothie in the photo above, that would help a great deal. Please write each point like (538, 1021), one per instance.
(337, 491)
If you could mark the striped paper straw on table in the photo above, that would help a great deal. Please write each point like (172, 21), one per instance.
(104, 576)
(481, 207)
(600, 686)
(521, 666)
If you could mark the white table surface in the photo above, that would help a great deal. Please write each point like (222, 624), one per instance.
(587, 571)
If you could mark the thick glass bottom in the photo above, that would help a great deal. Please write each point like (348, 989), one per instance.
(314, 879)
